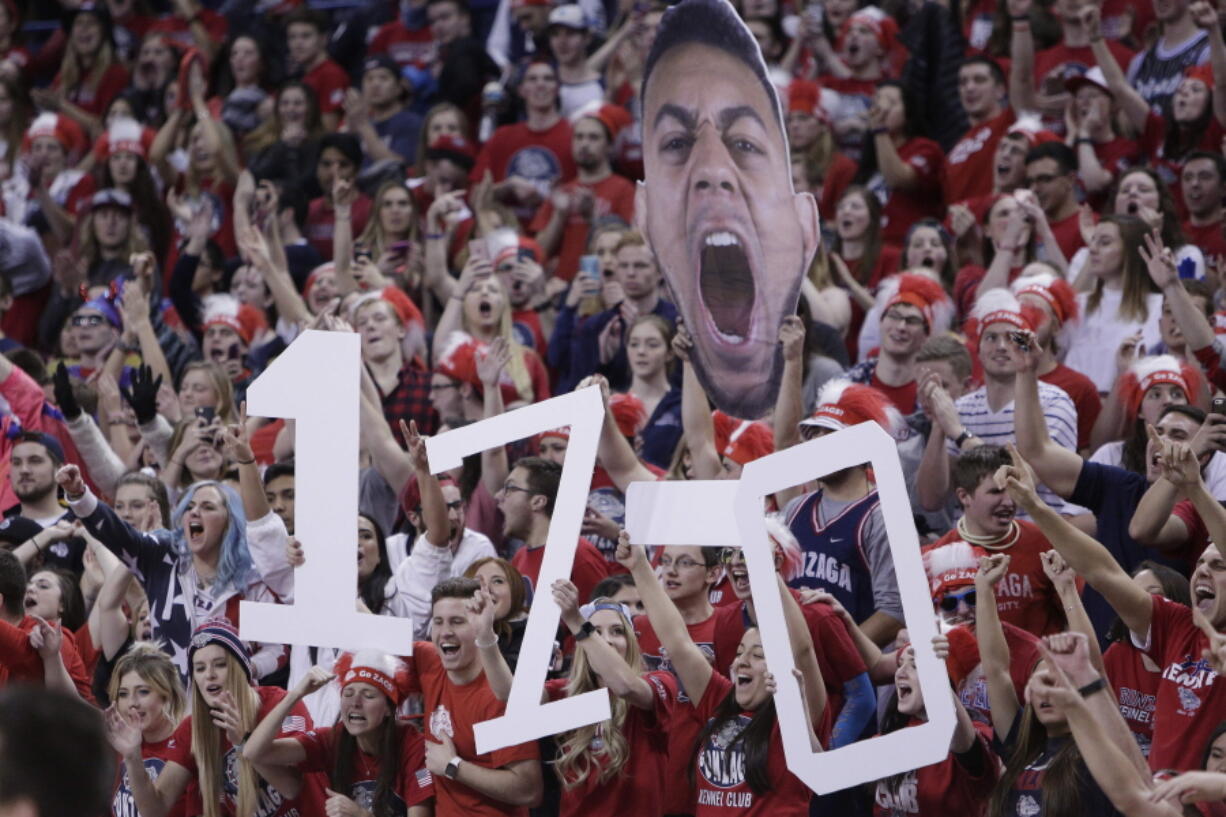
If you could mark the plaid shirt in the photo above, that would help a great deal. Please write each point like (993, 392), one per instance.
(410, 400)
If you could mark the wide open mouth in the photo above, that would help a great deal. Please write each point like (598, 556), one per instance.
(726, 282)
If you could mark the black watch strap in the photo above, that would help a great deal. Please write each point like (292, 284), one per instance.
(585, 631)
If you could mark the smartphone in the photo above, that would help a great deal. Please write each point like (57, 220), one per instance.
(478, 249)
(589, 265)
(206, 413)
(1218, 406)
(1022, 339)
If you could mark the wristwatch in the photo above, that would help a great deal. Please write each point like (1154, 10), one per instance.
(453, 768)
(585, 631)
(963, 437)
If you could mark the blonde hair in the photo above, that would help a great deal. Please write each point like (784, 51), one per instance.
(136, 241)
(221, 384)
(575, 763)
(516, 366)
(71, 79)
(206, 744)
(156, 669)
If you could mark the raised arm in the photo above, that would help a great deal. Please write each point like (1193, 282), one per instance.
(1021, 55)
(696, 422)
(618, 676)
(1160, 262)
(433, 506)
(152, 799)
(494, 465)
(386, 455)
(789, 405)
(1065, 581)
(1056, 466)
(1133, 104)
(933, 479)
(614, 451)
(803, 652)
(1090, 559)
(263, 747)
(691, 666)
(497, 671)
(993, 649)
(1181, 468)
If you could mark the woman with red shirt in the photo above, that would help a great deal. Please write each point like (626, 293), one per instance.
(618, 766)
(374, 762)
(1008, 246)
(902, 168)
(90, 75)
(740, 767)
(860, 260)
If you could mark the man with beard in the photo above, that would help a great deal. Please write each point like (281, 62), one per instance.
(33, 461)
(1051, 174)
(916, 307)
(718, 184)
(1025, 597)
(564, 221)
(840, 527)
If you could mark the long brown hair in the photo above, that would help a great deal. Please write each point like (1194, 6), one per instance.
(374, 238)
(72, 79)
(872, 233)
(1137, 283)
(1062, 780)
(515, 583)
(341, 778)
(206, 744)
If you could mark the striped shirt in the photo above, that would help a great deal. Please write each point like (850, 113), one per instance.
(996, 427)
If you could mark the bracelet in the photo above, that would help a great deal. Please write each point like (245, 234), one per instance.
(435, 236)
(245, 462)
(1083, 140)
(481, 646)
(879, 131)
(1092, 687)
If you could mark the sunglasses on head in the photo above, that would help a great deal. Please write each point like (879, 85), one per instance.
(950, 602)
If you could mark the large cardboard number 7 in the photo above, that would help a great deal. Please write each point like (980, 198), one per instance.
(526, 718)
(315, 382)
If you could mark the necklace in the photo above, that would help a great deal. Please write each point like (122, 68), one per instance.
(991, 542)
(597, 742)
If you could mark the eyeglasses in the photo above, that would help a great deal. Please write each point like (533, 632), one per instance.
(87, 320)
(508, 488)
(683, 563)
(950, 603)
(909, 321)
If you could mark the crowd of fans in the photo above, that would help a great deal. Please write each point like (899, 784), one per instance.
(1018, 279)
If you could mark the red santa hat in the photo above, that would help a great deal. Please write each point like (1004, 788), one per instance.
(385, 672)
(562, 433)
(1030, 127)
(882, 25)
(785, 540)
(842, 404)
(1202, 72)
(406, 311)
(741, 441)
(963, 654)
(1056, 291)
(1000, 306)
(60, 128)
(459, 359)
(524, 243)
(124, 135)
(950, 567)
(803, 96)
(327, 267)
(615, 118)
(922, 292)
(1149, 372)
(226, 310)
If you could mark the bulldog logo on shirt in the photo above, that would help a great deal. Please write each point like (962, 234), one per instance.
(440, 723)
(720, 763)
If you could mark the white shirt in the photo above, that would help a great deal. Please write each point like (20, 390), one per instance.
(1090, 343)
(1214, 473)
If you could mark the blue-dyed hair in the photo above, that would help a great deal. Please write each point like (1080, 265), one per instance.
(235, 565)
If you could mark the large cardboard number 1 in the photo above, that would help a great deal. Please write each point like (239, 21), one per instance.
(729, 514)
(526, 718)
(315, 382)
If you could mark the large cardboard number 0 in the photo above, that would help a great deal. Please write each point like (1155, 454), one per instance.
(315, 382)
(526, 718)
(730, 515)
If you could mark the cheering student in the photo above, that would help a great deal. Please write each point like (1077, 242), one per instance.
(959, 784)
(740, 765)
(207, 750)
(146, 692)
(617, 766)
(376, 764)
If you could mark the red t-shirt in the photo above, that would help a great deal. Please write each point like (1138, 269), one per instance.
(887, 264)
(1068, 234)
(685, 728)
(414, 784)
(967, 281)
(836, 652)
(1025, 597)
(945, 788)
(1198, 534)
(1135, 688)
(839, 175)
(972, 688)
(1152, 145)
(272, 802)
(640, 787)
(1052, 66)
(902, 208)
(329, 81)
(968, 167)
(723, 790)
(19, 661)
(541, 157)
(94, 99)
(588, 570)
(1084, 395)
(179, 30)
(155, 755)
(453, 709)
(321, 222)
(903, 397)
(1190, 705)
(721, 594)
(613, 195)
(405, 45)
